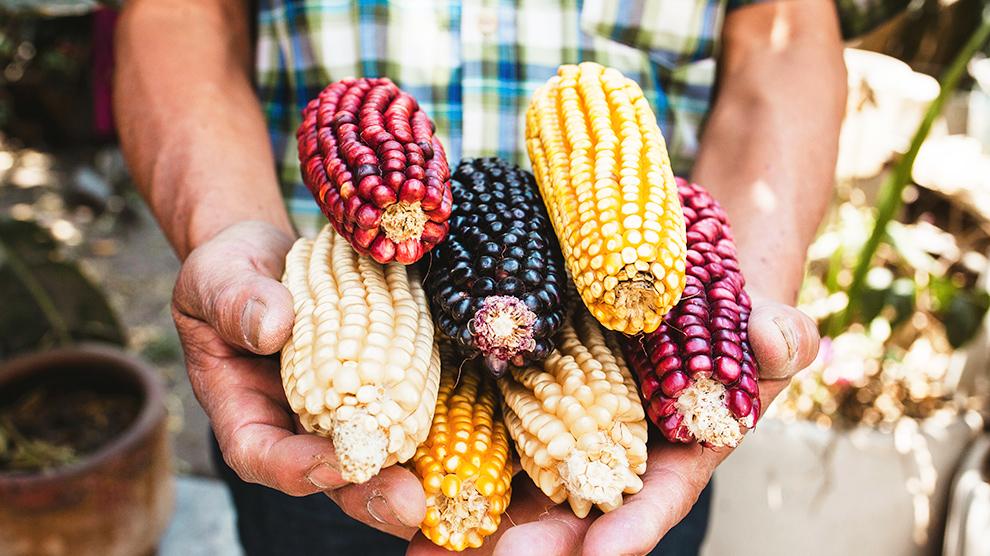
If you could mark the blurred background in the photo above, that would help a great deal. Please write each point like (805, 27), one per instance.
(879, 447)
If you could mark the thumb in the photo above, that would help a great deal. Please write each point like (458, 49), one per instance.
(230, 283)
(784, 340)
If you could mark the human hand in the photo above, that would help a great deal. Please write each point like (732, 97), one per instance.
(784, 341)
(232, 313)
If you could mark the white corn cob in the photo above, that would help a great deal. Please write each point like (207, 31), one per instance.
(362, 366)
(577, 420)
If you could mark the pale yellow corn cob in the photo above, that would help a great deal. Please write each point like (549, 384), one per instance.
(465, 464)
(602, 167)
(362, 366)
(577, 420)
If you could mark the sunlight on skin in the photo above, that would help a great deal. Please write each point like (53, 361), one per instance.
(764, 197)
(780, 34)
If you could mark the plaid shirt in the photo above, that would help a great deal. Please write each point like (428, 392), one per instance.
(473, 65)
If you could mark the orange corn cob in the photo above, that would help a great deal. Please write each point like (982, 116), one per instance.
(465, 464)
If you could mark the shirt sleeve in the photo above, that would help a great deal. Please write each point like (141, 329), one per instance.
(856, 17)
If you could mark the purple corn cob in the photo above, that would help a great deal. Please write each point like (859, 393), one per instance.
(696, 372)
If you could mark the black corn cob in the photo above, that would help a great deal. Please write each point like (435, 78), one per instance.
(496, 283)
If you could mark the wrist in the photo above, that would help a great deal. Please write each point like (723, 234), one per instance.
(193, 204)
(772, 261)
(207, 219)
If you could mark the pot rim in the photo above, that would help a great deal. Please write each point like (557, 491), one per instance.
(151, 413)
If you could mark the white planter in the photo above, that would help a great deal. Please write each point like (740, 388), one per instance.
(795, 488)
(967, 530)
(885, 104)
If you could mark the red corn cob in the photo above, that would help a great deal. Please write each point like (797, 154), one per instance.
(369, 157)
(696, 372)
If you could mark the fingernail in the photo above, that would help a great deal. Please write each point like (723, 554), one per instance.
(787, 333)
(254, 313)
(325, 476)
(382, 511)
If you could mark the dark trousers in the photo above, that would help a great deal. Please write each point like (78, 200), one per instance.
(271, 523)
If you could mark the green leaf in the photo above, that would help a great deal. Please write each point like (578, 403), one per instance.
(46, 301)
(871, 302)
(963, 315)
(901, 297)
(898, 294)
(942, 291)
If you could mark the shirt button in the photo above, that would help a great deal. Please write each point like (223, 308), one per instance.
(487, 21)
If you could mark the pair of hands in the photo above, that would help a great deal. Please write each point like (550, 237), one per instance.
(232, 313)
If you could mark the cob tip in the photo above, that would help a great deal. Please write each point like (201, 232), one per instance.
(639, 303)
(706, 414)
(461, 516)
(402, 221)
(502, 328)
(361, 447)
(598, 476)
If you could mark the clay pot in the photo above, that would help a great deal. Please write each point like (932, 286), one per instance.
(115, 501)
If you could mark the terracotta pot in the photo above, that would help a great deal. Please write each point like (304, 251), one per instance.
(115, 501)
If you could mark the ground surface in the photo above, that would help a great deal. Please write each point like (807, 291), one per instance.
(203, 523)
(87, 203)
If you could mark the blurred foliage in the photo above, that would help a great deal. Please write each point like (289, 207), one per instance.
(52, 8)
(861, 377)
(47, 301)
(897, 289)
(44, 79)
(927, 34)
(891, 194)
(857, 17)
(922, 299)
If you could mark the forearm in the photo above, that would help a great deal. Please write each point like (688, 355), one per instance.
(190, 124)
(768, 150)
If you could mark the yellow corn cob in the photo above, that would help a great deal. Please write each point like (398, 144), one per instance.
(362, 366)
(464, 463)
(577, 420)
(602, 167)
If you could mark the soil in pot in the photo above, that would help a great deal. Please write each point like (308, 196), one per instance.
(55, 421)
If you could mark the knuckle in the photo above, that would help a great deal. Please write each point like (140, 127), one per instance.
(236, 458)
(242, 456)
(333, 495)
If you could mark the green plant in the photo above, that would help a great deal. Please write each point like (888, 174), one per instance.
(895, 293)
(46, 299)
(890, 198)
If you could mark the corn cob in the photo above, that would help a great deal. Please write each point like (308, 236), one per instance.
(465, 464)
(496, 282)
(577, 420)
(369, 157)
(696, 372)
(602, 167)
(361, 366)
